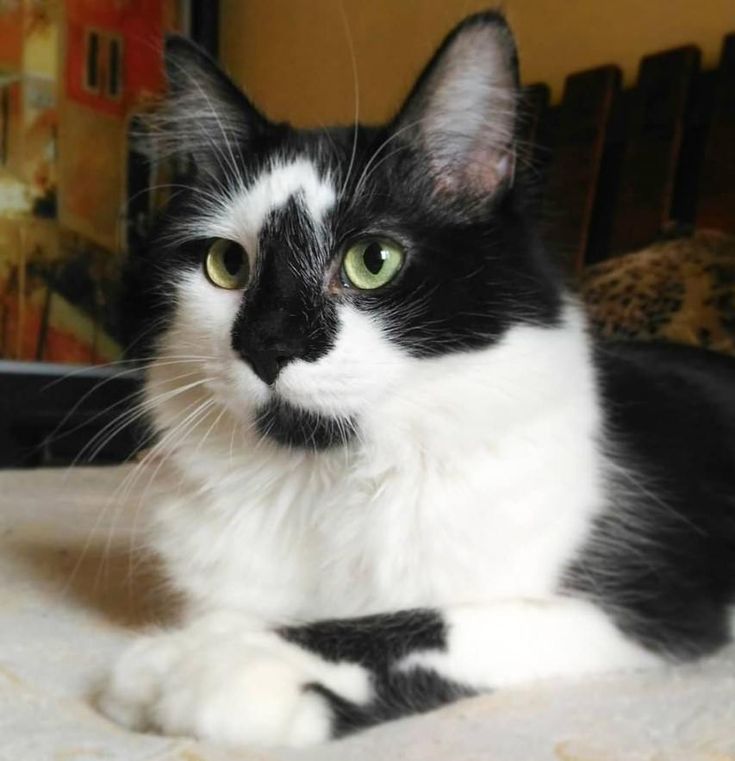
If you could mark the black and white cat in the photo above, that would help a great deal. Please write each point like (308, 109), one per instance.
(406, 473)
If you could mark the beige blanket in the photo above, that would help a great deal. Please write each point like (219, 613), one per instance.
(73, 591)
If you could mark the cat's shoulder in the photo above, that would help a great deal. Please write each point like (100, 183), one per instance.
(668, 389)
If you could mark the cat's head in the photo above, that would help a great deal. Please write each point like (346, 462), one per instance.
(318, 273)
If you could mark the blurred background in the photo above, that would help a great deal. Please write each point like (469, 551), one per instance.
(628, 130)
(293, 56)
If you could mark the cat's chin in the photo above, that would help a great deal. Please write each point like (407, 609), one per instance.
(295, 427)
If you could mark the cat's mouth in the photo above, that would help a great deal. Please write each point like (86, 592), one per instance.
(296, 427)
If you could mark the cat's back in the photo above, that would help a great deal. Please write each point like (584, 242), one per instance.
(668, 387)
(670, 417)
(661, 557)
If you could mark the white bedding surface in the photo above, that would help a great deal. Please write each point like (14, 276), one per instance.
(72, 594)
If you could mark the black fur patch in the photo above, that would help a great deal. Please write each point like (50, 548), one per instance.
(375, 641)
(284, 310)
(398, 694)
(661, 560)
(379, 643)
(295, 427)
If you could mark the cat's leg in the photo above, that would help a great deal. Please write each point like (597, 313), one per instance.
(223, 680)
(420, 660)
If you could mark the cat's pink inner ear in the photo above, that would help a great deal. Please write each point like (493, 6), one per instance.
(481, 173)
(462, 116)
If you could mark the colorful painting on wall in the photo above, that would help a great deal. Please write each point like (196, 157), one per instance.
(75, 174)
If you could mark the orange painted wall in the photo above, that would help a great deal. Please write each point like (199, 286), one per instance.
(11, 37)
(92, 182)
(139, 24)
(293, 56)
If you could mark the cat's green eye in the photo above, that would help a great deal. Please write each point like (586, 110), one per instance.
(372, 263)
(226, 265)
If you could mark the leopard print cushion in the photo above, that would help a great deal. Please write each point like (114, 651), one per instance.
(679, 290)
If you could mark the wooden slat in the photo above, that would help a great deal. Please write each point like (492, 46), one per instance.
(578, 149)
(603, 213)
(655, 129)
(716, 204)
(691, 154)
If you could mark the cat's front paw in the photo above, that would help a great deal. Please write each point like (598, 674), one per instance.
(233, 688)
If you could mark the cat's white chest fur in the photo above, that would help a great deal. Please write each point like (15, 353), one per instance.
(483, 497)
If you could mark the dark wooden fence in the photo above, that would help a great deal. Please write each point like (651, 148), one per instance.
(618, 168)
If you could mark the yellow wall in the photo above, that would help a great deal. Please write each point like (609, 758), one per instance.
(40, 49)
(293, 56)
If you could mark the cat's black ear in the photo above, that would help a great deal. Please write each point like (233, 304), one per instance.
(461, 116)
(204, 115)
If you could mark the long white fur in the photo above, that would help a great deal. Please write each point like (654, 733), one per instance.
(516, 641)
(475, 477)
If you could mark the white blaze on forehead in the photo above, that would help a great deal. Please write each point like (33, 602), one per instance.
(242, 215)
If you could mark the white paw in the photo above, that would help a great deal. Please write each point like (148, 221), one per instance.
(228, 686)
